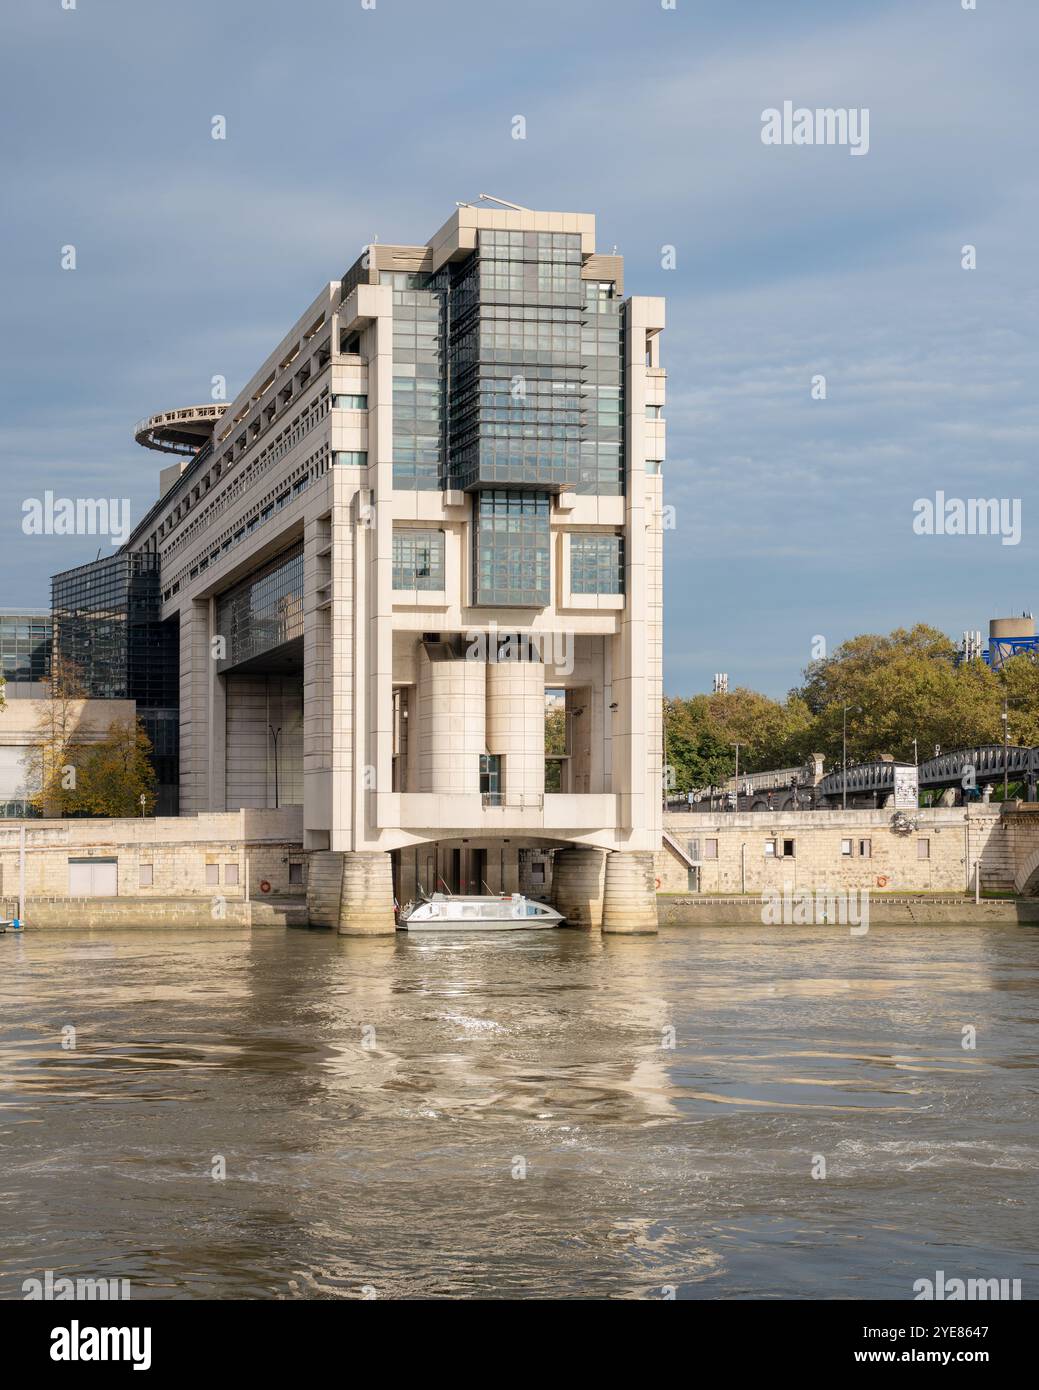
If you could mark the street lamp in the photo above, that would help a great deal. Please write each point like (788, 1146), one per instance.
(274, 735)
(844, 755)
(736, 777)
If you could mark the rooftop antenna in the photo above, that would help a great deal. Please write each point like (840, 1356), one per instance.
(490, 198)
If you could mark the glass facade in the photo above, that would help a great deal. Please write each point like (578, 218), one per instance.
(419, 323)
(508, 370)
(596, 564)
(262, 612)
(515, 362)
(109, 637)
(25, 647)
(418, 559)
(602, 393)
(511, 549)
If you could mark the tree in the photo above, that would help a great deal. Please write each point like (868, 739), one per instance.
(50, 769)
(908, 685)
(555, 732)
(116, 773)
(700, 734)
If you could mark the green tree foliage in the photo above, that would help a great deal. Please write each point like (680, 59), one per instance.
(50, 766)
(905, 686)
(115, 773)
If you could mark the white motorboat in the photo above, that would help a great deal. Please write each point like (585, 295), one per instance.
(476, 912)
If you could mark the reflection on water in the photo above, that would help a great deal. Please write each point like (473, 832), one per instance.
(373, 1099)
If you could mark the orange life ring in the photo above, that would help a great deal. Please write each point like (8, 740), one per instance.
(265, 887)
(881, 880)
(657, 883)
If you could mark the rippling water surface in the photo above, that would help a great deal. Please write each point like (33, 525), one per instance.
(372, 1101)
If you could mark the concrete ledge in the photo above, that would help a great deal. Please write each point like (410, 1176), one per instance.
(883, 912)
(56, 914)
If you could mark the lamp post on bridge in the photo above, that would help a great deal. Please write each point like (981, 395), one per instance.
(1006, 740)
(844, 755)
(736, 777)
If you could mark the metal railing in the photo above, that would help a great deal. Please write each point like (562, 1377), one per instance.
(513, 801)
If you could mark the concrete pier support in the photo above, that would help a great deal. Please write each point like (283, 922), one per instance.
(351, 891)
(629, 895)
(577, 886)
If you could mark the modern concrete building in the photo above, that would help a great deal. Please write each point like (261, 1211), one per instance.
(434, 511)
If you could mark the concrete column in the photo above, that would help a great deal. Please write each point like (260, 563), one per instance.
(629, 894)
(450, 725)
(515, 720)
(577, 886)
(351, 891)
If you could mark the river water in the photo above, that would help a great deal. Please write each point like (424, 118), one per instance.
(508, 1117)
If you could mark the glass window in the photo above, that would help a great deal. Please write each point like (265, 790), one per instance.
(263, 612)
(350, 402)
(866, 849)
(770, 849)
(351, 458)
(296, 873)
(596, 564)
(846, 847)
(418, 559)
(511, 549)
(788, 849)
(212, 874)
(491, 777)
(710, 849)
(231, 874)
(923, 848)
(145, 875)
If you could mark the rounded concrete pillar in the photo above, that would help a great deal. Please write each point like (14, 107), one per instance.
(629, 892)
(366, 908)
(577, 886)
(450, 733)
(352, 892)
(516, 723)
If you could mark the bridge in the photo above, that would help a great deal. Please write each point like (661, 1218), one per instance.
(984, 766)
(804, 787)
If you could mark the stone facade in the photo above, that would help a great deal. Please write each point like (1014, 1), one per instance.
(855, 849)
(230, 856)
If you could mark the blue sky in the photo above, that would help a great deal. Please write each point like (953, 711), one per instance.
(793, 516)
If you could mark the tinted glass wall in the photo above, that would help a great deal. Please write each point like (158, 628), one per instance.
(508, 370)
(25, 647)
(511, 548)
(109, 638)
(262, 612)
